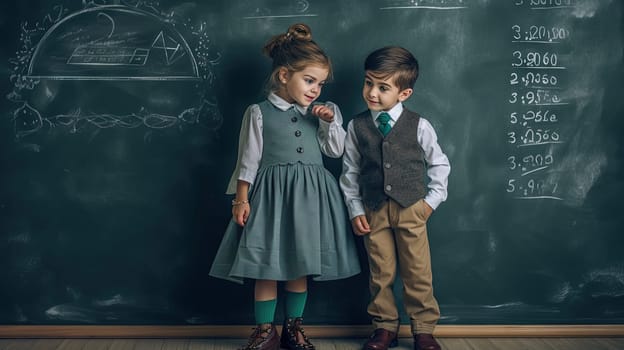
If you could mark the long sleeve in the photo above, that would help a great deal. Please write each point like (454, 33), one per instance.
(250, 145)
(331, 136)
(438, 166)
(349, 179)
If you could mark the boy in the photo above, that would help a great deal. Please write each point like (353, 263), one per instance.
(389, 152)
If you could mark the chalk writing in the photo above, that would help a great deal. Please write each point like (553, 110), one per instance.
(537, 100)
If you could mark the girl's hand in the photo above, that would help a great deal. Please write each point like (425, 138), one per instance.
(240, 213)
(360, 225)
(323, 112)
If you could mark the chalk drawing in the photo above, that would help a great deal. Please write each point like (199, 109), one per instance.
(424, 5)
(287, 9)
(160, 69)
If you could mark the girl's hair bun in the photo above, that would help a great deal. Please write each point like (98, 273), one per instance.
(296, 32)
(299, 31)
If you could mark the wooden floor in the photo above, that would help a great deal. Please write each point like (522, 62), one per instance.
(321, 344)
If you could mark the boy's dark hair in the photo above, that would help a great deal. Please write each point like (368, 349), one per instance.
(391, 60)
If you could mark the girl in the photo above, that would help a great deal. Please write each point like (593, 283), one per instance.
(294, 223)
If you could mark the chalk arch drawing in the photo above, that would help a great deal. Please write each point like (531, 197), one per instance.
(111, 66)
(113, 42)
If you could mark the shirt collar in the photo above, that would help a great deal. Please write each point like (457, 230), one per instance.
(285, 105)
(395, 112)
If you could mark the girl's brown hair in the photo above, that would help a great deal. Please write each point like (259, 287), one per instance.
(294, 50)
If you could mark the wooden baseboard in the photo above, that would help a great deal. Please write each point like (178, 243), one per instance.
(359, 331)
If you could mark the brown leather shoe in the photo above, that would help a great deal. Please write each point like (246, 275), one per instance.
(263, 338)
(381, 339)
(293, 336)
(423, 341)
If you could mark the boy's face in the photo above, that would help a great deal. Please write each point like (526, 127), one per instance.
(382, 93)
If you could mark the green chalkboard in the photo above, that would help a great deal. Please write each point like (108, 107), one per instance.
(118, 133)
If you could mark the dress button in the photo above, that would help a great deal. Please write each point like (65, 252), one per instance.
(387, 165)
(299, 149)
(293, 119)
(298, 133)
(388, 188)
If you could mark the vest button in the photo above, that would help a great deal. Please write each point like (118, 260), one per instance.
(293, 119)
(299, 149)
(387, 165)
(388, 188)
(298, 133)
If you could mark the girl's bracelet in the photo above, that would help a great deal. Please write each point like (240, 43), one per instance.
(235, 202)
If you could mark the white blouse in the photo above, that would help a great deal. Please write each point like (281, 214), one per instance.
(330, 137)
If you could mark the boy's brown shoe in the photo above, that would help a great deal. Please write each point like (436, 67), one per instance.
(423, 341)
(381, 339)
(263, 338)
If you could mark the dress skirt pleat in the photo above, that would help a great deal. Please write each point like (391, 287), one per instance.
(298, 226)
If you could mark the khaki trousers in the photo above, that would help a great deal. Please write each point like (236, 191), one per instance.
(400, 235)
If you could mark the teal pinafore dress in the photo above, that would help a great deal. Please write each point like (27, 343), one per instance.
(298, 224)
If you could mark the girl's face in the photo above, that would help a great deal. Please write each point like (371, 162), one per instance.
(382, 94)
(302, 87)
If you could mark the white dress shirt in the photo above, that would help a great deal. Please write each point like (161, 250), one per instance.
(438, 166)
(330, 137)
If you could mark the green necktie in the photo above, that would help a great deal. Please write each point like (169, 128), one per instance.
(383, 118)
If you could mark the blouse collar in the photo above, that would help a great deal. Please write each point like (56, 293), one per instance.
(285, 105)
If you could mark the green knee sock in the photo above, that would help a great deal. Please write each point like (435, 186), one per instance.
(295, 303)
(265, 310)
